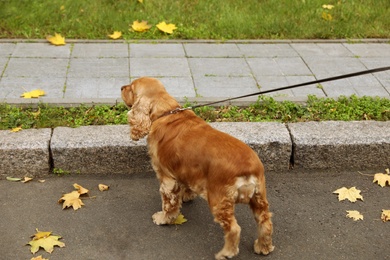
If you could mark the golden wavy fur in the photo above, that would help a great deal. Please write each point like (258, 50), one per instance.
(191, 158)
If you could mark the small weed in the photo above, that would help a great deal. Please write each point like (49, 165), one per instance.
(60, 172)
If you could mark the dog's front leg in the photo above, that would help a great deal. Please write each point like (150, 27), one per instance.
(171, 202)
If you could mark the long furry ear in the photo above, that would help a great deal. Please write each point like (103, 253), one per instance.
(139, 119)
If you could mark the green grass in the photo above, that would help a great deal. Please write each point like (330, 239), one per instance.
(265, 109)
(196, 19)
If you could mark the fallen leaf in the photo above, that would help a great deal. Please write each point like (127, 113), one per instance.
(71, 199)
(13, 179)
(385, 215)
(57, 39)
(103, 187)
(26, 179)
(141, 1)
(354, 214)
(39, 258)
(140, 26)
(36, 114)
(46, 241)
(33, 93)
(115, 35)
(382, 179)
(80, 189)
(328, 7)
(326, 16)
(167, 28)
(180, 220)
(16, 129)
(351, 194)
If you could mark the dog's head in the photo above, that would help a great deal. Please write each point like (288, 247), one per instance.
(148, 100)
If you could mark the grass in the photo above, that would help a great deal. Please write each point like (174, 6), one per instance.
(196, 19)
(265, 109)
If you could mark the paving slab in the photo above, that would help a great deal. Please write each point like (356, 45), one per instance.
(96, 50)
(7, 49)
(310, 50)
(39, 50)
(219, 67)
(157, 50)
(342, 145)
(98, 68)
(279, 66)
(267, 50)
(24, 153)
(212, 50)
(179, 87)
(159, 67)
(98, 150)
(28, 67)
(369, 50)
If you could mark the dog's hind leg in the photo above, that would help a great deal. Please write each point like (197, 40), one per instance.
(259, 205)
(170, 192)
(223, 211)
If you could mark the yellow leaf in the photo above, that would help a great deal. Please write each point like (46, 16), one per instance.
(103, 187)
(57, 39)
(33, 93)
(140, 26)
(62, 8)
(328, 7)
(351, 194)
(39, 258)
(167, 28)
(326, 16)
(46, 241)
(80, 189)
(13, 179)
(354, 214)
(385, 215)
(41, 181)
(40, 234)
(71, 200)
(180, 220)
(141, 1)
(27, 179)
(16, 129)
(36, 114)
(115, 35)
(382, 179)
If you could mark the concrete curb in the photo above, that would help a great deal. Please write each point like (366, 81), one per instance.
(109, 150)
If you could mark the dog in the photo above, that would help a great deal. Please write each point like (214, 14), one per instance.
(191, 158)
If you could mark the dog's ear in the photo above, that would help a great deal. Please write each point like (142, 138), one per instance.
(139, 118)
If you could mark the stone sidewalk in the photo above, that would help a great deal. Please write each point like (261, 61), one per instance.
(92, 72)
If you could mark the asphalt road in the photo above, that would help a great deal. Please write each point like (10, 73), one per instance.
(309, 221)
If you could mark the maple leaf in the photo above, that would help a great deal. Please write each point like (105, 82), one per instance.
(328, 7)
(115, 35)
(71, 200)
(385, 215)
(140, 26)
(33, 93)
(180, 220)
(167, 28)
(103, 187)
(351, 194)
(354, 214)
(80, 189)
(141, 1)
(382, 179)
(57, 39)
(46, 241)
(16, 129)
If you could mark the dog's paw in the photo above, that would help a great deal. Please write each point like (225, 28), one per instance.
(159, 218)
(263, 248)
(224, 254)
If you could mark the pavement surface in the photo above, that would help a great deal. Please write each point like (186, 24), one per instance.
(85, 72)
(309, 221)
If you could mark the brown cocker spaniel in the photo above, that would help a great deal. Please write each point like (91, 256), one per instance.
(191, 158)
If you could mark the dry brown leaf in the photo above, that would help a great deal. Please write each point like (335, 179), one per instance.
(39, 258)
(41, 181)
(385, 215)
(355, 215)
(351, 194)
(103, 187)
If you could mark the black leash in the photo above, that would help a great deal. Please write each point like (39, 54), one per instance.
(290, 87)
